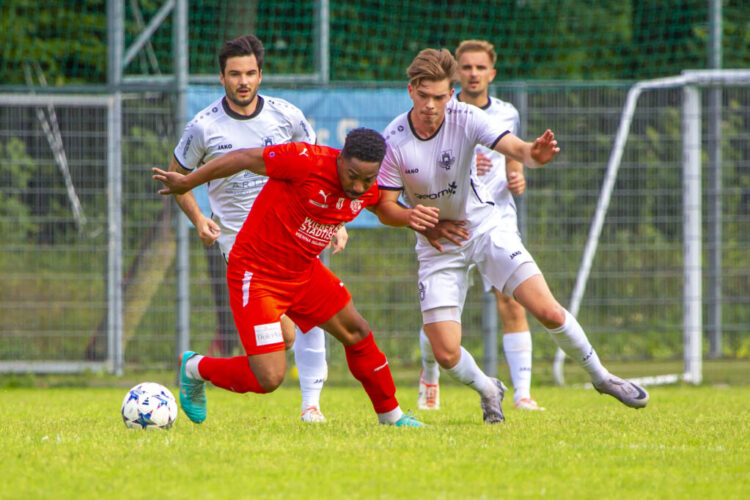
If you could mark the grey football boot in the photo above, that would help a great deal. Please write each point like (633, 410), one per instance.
(629, 393)
(492, 407)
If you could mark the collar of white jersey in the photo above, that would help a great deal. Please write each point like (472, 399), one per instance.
(485, 107)
(233, 114)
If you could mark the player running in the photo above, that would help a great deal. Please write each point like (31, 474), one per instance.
(245, 119)
(429, 158)
(274, 269)
(476, 62)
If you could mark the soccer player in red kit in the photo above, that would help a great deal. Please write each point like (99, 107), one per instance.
(274, 270)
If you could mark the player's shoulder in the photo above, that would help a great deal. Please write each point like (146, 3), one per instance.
(457, 111)
(498, 107)
(207, 116)
(279, 105)
(398, 131)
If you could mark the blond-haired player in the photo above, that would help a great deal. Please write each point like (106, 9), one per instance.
(502, 177)
(429, 160)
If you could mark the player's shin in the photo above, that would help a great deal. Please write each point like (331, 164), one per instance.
(369, 365)
(233, 374)
(572, 339)
(310, 358)
(430, 369)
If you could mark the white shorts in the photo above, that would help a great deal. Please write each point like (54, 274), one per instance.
(444, 277)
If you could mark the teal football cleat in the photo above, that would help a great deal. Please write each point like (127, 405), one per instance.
(408, 420)
(192, 392)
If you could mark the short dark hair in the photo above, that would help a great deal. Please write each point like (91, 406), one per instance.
(364, 144)
(247, 45)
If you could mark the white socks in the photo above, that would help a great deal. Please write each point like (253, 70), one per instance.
(390, 417)
(517, 349)
(430, 368)
(191, 367)
(467, 372)
(572, 339)
(310, 358)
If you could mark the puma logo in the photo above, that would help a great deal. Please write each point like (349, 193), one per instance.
(304, 153)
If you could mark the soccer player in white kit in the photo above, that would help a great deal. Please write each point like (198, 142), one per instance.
(476, 61)
(245, 119)
(429, 159)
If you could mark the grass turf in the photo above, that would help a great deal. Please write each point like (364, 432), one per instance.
(71, 442)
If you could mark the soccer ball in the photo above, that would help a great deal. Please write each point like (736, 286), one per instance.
(149, 406)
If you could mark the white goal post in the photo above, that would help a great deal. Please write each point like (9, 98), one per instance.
(691, 82)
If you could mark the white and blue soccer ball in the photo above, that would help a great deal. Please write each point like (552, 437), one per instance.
(149, 406)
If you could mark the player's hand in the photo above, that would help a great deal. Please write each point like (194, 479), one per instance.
(452, 230)
(516, 183)
(484, 164)
(339, 240)
(544, 148)
(208, 231)
(422, 217)
(173, 181)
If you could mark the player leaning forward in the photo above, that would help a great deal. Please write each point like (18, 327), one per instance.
(274, 269)
(429, 158)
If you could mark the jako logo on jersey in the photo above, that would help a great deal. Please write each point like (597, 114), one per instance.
(224, 146)
(447, 159)
(268, 141)
(449, 191)
(187, 146)
(515, 254)
(317, 233)
(356, 206)
(411, 171)
(325, 198)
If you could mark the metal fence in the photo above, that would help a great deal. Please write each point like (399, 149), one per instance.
(56, 255)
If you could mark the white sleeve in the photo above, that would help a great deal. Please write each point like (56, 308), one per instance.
(302, 131)
(389, 176)
(516, 126)
(484, 130)
(190, 150)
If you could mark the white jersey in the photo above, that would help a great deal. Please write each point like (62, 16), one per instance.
(217, 130)
(496, 180)
(439, 171)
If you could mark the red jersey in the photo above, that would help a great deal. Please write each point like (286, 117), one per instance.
(297, 212)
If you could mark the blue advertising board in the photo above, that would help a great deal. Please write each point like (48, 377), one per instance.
(331, 112)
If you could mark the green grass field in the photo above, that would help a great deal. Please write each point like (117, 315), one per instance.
(70, 442)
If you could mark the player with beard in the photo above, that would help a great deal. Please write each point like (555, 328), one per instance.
(243, 119)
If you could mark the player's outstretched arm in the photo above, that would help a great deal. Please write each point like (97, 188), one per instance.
(533, 155)
(391, 213)
(224, 166)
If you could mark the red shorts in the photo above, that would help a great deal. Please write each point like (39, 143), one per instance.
(258, 301)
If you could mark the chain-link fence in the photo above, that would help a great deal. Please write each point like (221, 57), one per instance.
(54, 266)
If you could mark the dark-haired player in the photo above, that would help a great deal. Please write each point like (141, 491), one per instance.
(243, 118)
(274, 269)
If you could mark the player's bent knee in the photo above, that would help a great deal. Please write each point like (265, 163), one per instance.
(270, 381)
(551, 316)
(447, 359)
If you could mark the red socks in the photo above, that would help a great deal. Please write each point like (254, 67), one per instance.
(368, 365)
(232, 374)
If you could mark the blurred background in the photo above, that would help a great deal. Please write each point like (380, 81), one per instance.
(99, 273)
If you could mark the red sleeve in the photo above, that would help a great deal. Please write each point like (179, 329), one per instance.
(291, 161)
